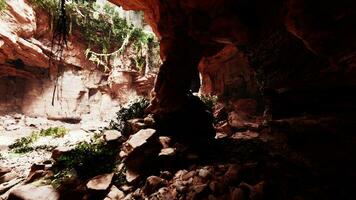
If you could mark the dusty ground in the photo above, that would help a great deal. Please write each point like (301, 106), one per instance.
(15, 126)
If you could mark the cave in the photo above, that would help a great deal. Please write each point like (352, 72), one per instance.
(251, 100)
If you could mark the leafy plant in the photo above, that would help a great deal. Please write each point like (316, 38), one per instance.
(106, 34)
(54, 131)
(209, 100)
(23, 144)
(89, 159)
(135, 109)
(2, 5)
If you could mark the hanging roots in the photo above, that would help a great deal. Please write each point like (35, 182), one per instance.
(59, 40)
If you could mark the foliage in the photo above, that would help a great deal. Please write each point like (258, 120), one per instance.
(89, 159)
(107, 34)
(54, 131)
(136, 109)
(2, 5)
(209, 100)
(23, 145)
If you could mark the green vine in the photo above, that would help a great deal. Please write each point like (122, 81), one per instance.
(2, 5)
(106, 34)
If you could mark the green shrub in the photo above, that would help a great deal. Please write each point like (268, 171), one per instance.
(2, 5)
(135, 109)
(23, 145)
(54, 131)
(209, 100)
(101, 27)
(89, 159)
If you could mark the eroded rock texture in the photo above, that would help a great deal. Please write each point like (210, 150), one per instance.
(34, 84)
(302, 52)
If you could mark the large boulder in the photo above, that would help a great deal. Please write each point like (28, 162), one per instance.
(31, 192)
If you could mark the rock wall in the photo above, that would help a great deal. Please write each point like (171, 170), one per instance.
(71, 89)
(297, 48)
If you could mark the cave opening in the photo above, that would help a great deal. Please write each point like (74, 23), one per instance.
(232, 99)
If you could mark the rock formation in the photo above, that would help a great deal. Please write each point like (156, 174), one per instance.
(299, 50)
(35, 83)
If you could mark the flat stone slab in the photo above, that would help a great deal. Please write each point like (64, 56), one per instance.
(101, 182)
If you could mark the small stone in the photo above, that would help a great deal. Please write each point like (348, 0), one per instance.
(165, 193)
(126, 188)
(59, 151)
(153, 183)
(199, 188)
(204, 173)
(224, 128)
(48, 162)
(34, 175)
(12, 127)
(149, 120)
(136, 124)
(122, 154)
(167, 152)
(166, 175)
(247, 135)
(112, 135)
(181, 188)
(165, 141)
(120, 166)
(197, 180)
(100, 182)
(131, 176)
(235, 120)
(179, 174)
(188, 175)
(115, 193)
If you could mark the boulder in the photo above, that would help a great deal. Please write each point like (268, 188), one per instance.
(136, 124)
(4, 170)
(8, 177)
(112, 135)
(153, 183)
(115, 194)
(59, 151)
(132, 176)
(138, 139)
(31, 192)
(100, 182)
(167, 152)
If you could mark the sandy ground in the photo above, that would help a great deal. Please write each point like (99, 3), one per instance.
(13, 127)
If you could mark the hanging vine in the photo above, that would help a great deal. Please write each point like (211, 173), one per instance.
(106, 34)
